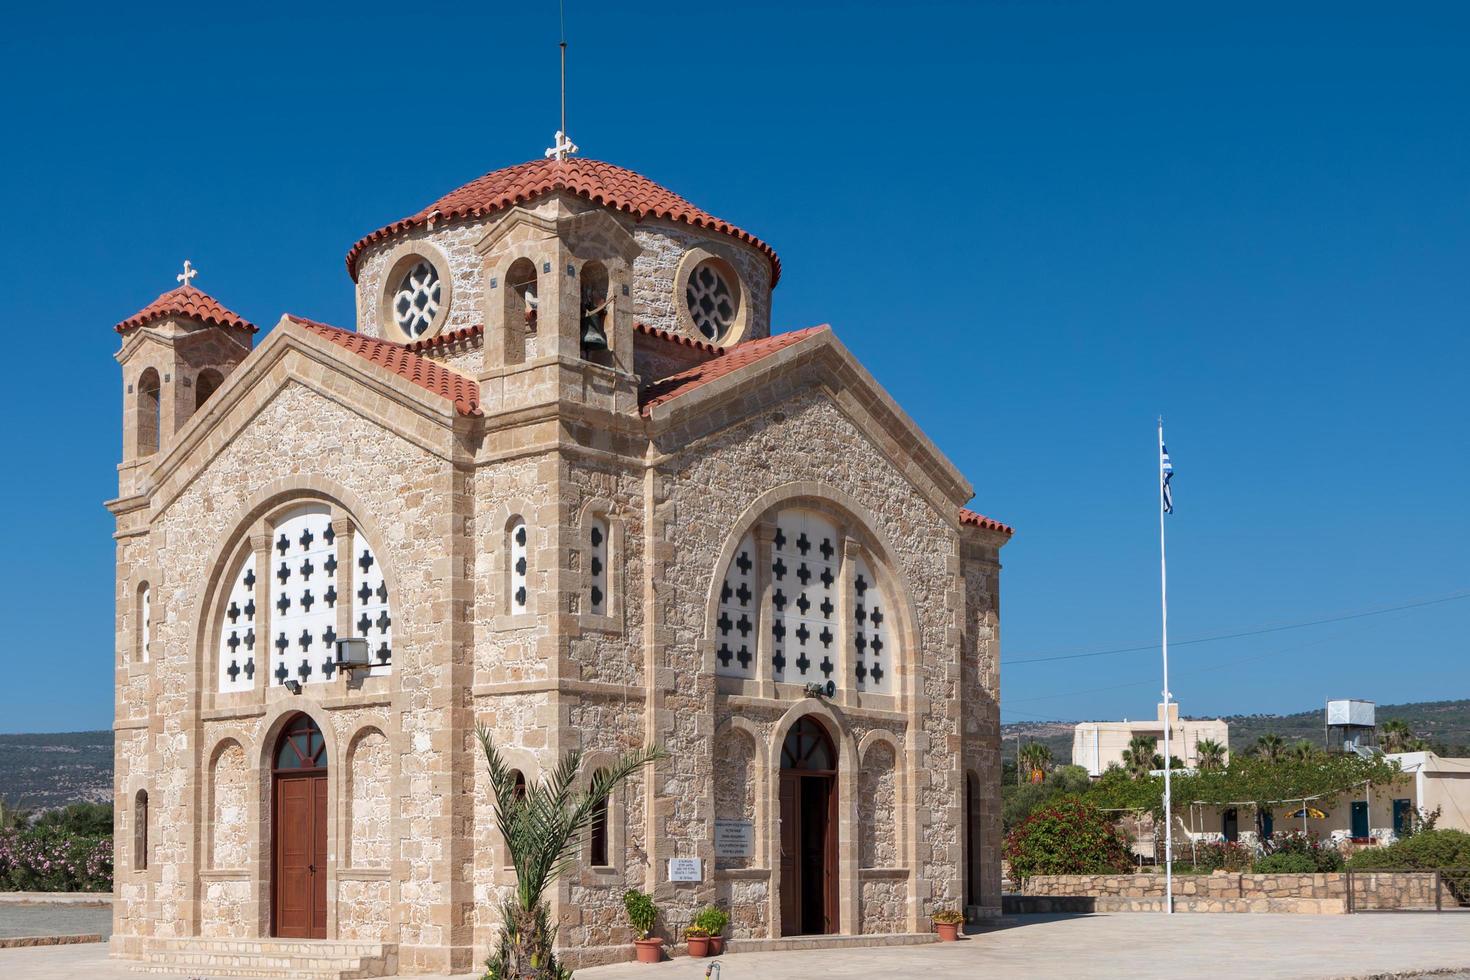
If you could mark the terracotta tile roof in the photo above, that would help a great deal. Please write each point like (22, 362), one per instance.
(980, 520)
(447, 338)
(732, 360)
(602, 183)
(427, 374)
(677, 338)
(186, 301)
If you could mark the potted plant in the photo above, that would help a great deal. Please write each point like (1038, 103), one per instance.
(713, 920)
(698, 939)
(642, 914)
(947, 924)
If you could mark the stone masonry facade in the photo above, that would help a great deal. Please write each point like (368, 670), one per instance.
(552, 518)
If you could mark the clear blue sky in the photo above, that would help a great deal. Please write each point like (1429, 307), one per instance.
(1039, 225)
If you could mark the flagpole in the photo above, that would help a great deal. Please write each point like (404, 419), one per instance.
(1168, 722)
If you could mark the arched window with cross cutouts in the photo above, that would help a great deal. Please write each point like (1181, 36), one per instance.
(802, 601)
(310, 579)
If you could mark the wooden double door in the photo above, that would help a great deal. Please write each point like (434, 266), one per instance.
(808, 800)
(299, 834)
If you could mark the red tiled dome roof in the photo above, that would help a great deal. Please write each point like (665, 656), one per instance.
(601, 183)
(186, 301)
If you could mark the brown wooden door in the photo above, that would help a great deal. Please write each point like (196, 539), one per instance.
(299, 833)
(301, 857)
(790, 879)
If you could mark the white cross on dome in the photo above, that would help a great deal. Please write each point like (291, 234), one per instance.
(189, 273)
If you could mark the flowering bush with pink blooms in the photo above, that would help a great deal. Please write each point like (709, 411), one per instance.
(54, 859)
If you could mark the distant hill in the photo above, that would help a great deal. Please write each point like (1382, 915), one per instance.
(42, 771)
(1446, 723)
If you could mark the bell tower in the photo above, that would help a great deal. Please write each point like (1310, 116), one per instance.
(558, 306)
(176, 352)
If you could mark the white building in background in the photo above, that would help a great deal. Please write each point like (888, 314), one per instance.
(1099, 744)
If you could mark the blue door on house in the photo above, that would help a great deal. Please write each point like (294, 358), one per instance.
(1403, 819)
(1360, 818)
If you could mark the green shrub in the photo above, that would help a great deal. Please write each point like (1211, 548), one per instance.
(1067, 837)
(642, 913)
(1317, 858)
(712, 919)
(1425, 850)
(1285, 864)
(1222, 855)
(49, 859)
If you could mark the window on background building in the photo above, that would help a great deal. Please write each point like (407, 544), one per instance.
(599, 833)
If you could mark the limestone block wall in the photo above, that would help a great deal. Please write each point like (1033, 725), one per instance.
(1379, 889)
(884, 904)
(804, 443)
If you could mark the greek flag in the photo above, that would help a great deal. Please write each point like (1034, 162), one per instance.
(1166, 474)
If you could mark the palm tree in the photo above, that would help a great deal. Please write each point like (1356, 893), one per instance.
(1396, 735)
(543, 827)
(1270, 747)
(1139, 757)
(1035, 759)
(1303, 751)
(1211, 755)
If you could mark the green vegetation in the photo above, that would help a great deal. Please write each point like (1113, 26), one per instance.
(1211, 755)
(642, 913)
(1425, 850)
(1019, 802)
(712, 919)
(1035, 760)
(1067, 837)
(543, 827)
(66, 850)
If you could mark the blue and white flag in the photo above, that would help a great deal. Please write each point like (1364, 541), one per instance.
(1166, 474)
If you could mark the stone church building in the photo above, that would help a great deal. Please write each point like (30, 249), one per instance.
(560, 477)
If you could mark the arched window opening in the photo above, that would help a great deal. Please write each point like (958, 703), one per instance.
(808, 748)
(519, 792)
(140, 831)
(594, 313)
(145, 623)
(302, 629)
(598, 836)
(816, 583)
(597, 560)
(301, 746)
(206, 384)
(150, 412)
(518, 551)
(521, 305)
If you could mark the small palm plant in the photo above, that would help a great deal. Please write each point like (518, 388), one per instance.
(1303, 751)
(1211, 755)
(1271, 747)
(1395, 735)
(1034, 759)
(543, 826)
(1139, 757)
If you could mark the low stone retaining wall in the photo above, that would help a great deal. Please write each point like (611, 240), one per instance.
(1370, 890)
(1078, 904)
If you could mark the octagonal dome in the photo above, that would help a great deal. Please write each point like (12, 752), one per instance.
(602, 183)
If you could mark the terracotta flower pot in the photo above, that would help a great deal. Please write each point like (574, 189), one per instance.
(650, 950)
(948, 931)
(716, 945)
(698, 946)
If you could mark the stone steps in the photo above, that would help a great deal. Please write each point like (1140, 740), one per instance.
(310, 959)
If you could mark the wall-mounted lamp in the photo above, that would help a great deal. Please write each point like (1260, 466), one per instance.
(293, 686)
(352, 654)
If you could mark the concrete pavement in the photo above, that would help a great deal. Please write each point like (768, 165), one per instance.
(1107, 947)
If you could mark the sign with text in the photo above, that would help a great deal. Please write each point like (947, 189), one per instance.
(686, 869)
(734, 839)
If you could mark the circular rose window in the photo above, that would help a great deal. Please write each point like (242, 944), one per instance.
(713, 300)
(417, 299)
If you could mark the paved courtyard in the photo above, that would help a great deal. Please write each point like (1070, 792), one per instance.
(1130, 946)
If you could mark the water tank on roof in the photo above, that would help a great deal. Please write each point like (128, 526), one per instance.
(1350, 713)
